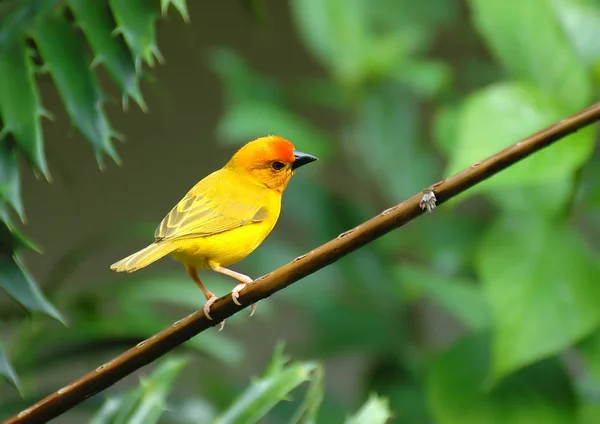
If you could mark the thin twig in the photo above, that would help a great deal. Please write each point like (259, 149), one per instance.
(182, 330)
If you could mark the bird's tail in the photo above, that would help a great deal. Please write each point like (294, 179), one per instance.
(143, 258)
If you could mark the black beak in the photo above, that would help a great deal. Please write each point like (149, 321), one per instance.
(302, 159)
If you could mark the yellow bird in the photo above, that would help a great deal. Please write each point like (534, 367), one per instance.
(225, 216)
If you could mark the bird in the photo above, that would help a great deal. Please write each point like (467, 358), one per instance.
(226, 215)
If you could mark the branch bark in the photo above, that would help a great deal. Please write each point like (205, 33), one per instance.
(179, 332)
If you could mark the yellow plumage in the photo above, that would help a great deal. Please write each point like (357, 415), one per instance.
(220, 221)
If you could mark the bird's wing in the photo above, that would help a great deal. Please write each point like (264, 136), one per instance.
(211, 207)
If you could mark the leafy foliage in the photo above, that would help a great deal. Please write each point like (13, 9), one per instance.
(473, 314)
(69, 58)
(533, 317)
(148, 402)
(459, 389)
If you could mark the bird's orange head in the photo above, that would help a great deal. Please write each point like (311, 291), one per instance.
(270, 160)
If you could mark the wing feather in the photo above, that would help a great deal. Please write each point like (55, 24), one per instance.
(211, 207)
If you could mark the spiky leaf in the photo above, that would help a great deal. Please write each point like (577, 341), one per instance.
(278, 380)
(307, 412)
(135, 20)
(66, 59)
(20, 106)
(95, 20)
(10, 185)
(6, 369)
(17, 282)
(146, 403)
(180, 5)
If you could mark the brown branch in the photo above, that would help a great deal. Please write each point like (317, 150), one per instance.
(182, 330)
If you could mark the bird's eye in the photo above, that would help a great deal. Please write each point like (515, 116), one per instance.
(278, 166)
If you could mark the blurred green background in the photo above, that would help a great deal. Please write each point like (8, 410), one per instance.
(486, 311)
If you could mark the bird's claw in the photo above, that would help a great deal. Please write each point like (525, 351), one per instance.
(206, 309)
(235, 294)
(207, 305)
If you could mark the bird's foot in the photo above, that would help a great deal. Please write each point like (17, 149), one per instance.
(208, 304)
(235, 293)
(206, 309)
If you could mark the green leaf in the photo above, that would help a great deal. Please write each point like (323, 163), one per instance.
(11, 240)
(10, 183)
(278, 380)
(4, 212)
(541, 282)
(65, 57)
(6, 369)
(500, 115)
(580, 19)
(155, 390)
(375, 411)
(180, 5)
(458, 391)
(539, 54)
(460, 297)
(307, 412)
(95, 20)
(17, 282)
(249, 120)
(20, 107)
(146, 403)
(277, 362)
(135, 20)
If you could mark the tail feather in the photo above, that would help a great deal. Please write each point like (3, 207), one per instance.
(143, 258)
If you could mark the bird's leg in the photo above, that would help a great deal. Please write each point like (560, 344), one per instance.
(210, 297)
(243, 279)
